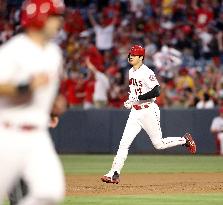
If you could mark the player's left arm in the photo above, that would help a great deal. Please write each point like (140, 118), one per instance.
(60, 104)
(155, 92)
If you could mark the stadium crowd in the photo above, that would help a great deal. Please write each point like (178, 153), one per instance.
(183, 41)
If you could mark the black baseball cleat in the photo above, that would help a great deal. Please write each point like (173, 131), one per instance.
(190, 144)
(114, 179)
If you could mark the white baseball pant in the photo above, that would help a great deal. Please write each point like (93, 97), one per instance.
(31, 155)
(149, 120)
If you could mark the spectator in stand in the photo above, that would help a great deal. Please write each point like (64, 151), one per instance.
(168, 7)
(135, 5)
(73, 89)
(184, 80)
(219, 26)
(103, 33)
(203, 12)
(150, 49)
(217, 131)
(111, 10)
(89, 92)
(194, 28)
(74, 21)
(3, 5)
(205, 102)
(102, 85)
(167, 61)
(89, 50)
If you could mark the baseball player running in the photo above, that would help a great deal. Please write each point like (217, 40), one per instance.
(20, 189)
(30, 65)
(144, 88)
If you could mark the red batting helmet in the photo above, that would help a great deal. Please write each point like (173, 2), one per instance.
(137, 50)
(35, 12)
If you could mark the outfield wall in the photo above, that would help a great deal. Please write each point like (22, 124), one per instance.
(99, 131)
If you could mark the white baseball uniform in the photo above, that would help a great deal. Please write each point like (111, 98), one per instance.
(29, 153)
(144, 114)
(217, 126)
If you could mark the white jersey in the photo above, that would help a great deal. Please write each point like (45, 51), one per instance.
(141, 81)
(20, 59)
(217, 124)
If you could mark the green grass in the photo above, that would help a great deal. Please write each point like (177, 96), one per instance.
(213, 199)
(98, 164)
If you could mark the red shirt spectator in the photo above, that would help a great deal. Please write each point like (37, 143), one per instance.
(73, 90)
(111, 11)
(203, 15)
(74, 22)
(95, 57)
(89, 90)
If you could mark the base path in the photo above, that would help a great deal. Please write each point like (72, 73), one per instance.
(133, 184)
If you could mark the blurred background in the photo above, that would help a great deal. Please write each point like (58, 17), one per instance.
(184, 46)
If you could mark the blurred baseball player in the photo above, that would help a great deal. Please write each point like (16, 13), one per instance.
(144, 88)
(20, 189)
(30, 65)
(217, 130)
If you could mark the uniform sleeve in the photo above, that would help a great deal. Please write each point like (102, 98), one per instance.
(150, 79)
(7, 65)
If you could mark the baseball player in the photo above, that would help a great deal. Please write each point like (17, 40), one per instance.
(144, 88)
(30, 65)
(20, 189)
(217, 130)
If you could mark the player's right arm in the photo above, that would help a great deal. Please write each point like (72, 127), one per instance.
(11, 89)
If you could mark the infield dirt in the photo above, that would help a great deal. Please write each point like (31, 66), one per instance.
(136, 184)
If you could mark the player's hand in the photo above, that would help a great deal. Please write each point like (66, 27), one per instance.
(39, 80)
(128, 104)
(54, 122)
(59, 105)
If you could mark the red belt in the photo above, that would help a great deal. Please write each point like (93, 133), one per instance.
(24, 127)
(140, 107)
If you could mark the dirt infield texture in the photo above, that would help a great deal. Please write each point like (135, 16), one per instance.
(134, 184)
